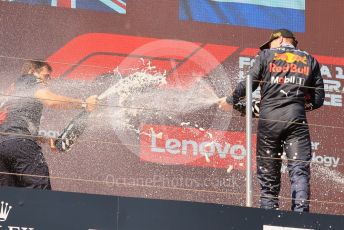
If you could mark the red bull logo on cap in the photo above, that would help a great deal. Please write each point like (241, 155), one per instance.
(290, 58)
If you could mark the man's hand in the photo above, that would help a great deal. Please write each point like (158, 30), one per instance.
(52, 145)
(92, 103)
(308, 107)
(223, 105)
(48, 140)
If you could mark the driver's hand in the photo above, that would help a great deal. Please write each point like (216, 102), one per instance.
(52, 145)
(223, 105)
(92, 103)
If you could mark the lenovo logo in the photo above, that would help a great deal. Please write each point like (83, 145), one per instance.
(191, 146)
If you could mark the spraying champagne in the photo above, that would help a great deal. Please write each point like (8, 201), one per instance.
(133, 83)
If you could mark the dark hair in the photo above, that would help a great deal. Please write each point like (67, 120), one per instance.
(31, 66)
(293, 41)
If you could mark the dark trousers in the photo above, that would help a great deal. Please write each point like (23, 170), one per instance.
(293, 138)
(22, 164)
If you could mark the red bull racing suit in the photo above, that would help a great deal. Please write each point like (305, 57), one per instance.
(290, 80)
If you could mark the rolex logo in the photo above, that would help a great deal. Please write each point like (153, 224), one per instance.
(4, 211)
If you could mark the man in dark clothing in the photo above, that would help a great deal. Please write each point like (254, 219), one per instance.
(22, 163)
(291, 84)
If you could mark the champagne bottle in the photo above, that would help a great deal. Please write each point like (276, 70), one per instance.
(72, 132)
